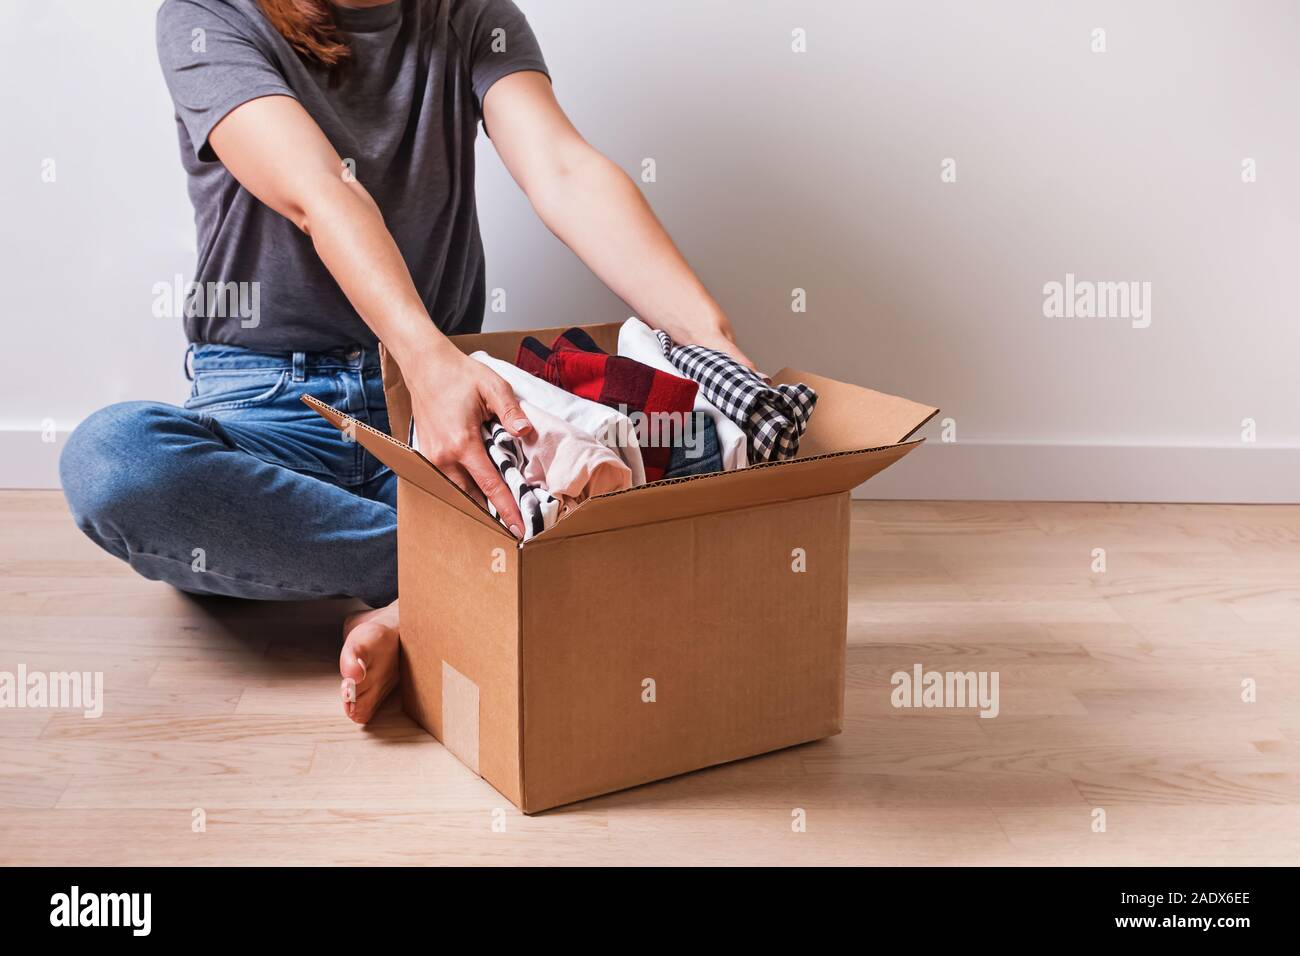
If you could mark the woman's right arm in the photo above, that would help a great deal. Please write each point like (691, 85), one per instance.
(278, 153)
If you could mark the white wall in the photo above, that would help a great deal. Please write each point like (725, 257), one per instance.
(777, 170)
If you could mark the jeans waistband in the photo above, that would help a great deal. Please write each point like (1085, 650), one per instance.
(206, 357)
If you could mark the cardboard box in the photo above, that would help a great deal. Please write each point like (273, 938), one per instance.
(650, 632)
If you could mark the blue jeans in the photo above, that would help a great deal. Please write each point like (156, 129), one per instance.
(244, 491)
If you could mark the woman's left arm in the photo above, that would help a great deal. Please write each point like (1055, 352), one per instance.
(596, 210)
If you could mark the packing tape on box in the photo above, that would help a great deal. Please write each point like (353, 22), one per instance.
(460, 716)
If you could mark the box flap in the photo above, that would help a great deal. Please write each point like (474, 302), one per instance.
(407, 463)
(724, 491)
(396, 395)
(850, 417)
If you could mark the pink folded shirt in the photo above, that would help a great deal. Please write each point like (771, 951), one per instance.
(568, 462)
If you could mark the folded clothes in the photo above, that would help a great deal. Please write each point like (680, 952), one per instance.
(611, 428)
(656, 400)
(568, 462)
(637, 340)
(773, 417)
(552, 469)
(707, 457)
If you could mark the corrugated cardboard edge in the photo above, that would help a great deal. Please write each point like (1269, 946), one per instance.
(520, 673)
(596, 514)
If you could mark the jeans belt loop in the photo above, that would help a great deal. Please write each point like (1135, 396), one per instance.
(300, 366)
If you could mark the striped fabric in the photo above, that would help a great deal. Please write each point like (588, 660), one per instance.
(773, 417)
(539, 508)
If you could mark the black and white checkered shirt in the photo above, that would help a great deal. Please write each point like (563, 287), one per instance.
(773, 417)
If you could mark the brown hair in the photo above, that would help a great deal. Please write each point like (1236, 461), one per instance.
(310, 28)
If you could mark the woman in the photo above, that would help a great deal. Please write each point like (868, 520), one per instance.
(329, 152)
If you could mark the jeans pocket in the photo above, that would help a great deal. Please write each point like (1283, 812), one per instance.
(220, 390)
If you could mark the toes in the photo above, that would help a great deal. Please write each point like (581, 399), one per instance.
(363, 646)
(364, 709)
(367, 664)
(367, 703)
(352, 664)
(349, 694)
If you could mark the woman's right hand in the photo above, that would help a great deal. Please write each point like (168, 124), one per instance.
(451, 396)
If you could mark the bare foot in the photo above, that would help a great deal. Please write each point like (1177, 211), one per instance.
(368, 661)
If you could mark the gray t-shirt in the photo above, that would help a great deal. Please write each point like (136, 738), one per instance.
(404, 112)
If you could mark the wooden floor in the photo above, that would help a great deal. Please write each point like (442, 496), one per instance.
(1120, 691)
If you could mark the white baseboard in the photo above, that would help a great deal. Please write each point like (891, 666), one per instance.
(27, 461)
(959, 471)
(1038, 471)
